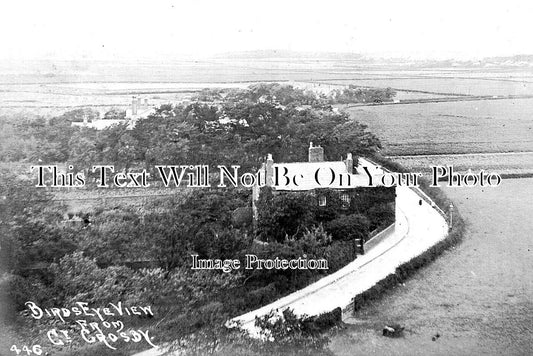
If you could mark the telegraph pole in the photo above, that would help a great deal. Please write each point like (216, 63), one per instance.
(451, 215)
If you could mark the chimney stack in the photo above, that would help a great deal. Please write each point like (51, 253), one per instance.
(269, 170)
(134, 106)
(316, 153)
(349, 163)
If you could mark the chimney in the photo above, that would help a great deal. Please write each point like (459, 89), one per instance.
(134, 106)
(316, 153)
(349, 163)
(269, 171)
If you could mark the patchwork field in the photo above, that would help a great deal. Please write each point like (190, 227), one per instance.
(49, 88)
(453, 85)
(501, 163)
(451, 127)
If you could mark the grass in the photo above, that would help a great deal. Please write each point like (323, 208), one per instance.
(407, 269)
(476, 296)
(452, 127)
(462, 85)
(503, 164)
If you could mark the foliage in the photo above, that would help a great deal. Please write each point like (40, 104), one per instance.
(241, 127)
(284, 215)
(57, 263)
(339, 254)
(16, 289)
(349, 227)
(286, 333)
(115, 114)
(30, 225)
(354, 94)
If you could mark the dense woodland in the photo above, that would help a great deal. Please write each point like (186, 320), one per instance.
(55, 262)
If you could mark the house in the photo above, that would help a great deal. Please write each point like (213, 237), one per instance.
(317, 173)
(137, 111)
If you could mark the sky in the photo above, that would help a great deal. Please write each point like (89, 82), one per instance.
(165, 29)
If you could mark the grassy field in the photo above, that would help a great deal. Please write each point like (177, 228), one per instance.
(452, 127)
(50, 88)
(512, 163)
(466, 86)
(477, 297)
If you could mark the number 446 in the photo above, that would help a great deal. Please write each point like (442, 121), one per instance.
(36, 349)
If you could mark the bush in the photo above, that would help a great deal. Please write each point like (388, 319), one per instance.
(78, 278)
(314, 241)
(242, 217)
(219, 243)
(285, 333)
(349, 227)
(16, 290)
(339, 254)
(284, 215)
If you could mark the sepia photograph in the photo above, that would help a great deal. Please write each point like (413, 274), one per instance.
(245, 178)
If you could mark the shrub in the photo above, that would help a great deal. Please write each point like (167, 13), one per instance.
(349, 227)
(242, 217)
(78, 278)
(286, 333)
(283, 215)
(339, 254)
(16, 291)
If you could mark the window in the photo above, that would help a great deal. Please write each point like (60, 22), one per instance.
(322, 200)
(345, 199)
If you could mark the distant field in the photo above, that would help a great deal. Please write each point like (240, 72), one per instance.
(452, 85)
(423, 128)
(50, 88)
(452, 127)
(509, 163)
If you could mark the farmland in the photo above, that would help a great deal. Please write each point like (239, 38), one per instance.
(477, 297)
(463, 85)
(50, 88)
(518, 163)
(451, 127)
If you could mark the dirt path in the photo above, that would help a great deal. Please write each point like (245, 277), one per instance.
(478, 297)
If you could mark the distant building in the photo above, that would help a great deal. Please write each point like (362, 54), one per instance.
(137, 111)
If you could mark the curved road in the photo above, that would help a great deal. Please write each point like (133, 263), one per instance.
(418, 227)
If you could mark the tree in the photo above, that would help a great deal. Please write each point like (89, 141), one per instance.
(83, 153)
(29, 227)
(349, 227)
(115, 114)
(353, 137)
(284, 215)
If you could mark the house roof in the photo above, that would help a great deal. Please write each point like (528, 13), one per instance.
(142, 112)
(302, 176)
